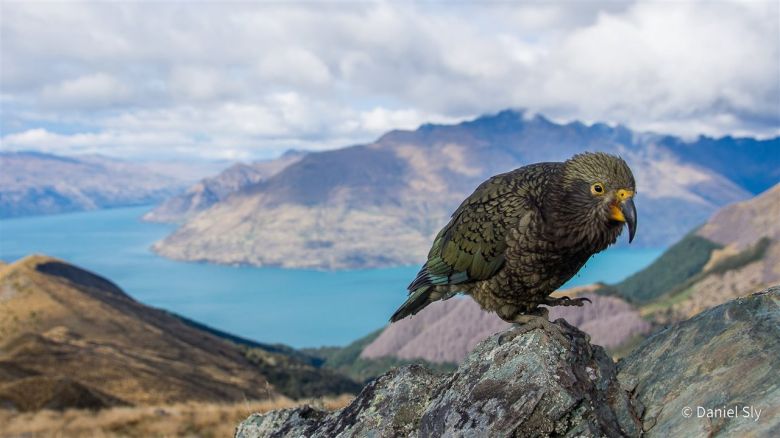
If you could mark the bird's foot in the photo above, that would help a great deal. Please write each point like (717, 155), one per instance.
(527, 323)
(566, 301)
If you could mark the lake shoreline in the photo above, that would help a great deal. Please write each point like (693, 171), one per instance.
(293, 306)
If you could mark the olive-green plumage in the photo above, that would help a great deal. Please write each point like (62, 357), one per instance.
(524, 233)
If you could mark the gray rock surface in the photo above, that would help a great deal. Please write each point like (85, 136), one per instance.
(726, 357)
(528, 384)
(512, 383)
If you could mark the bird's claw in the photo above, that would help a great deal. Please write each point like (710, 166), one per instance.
(566, 301)
(528, 323)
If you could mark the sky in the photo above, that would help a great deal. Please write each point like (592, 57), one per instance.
(242, 80)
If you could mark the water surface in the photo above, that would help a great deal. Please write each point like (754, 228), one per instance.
(298, 307)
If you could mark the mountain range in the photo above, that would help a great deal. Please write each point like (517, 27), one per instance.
(380, 204)
(33, 183)
(212, 190)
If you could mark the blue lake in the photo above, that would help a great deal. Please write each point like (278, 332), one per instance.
(302, 308)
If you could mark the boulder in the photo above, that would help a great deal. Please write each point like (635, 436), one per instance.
(527, 383)
(723, 359)
(513, 382)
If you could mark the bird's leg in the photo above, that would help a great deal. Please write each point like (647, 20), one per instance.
(565, 301)
(538, 320)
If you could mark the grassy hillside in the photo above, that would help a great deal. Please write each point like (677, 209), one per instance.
(347, 360)
(297, 379)
(679, 263)
(205, 420)
(292, 372)
(69, 338)
(661, 307)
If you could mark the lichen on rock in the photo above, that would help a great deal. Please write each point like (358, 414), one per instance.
(520, 383)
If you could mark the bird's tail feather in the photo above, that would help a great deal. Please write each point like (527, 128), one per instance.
(418, 299)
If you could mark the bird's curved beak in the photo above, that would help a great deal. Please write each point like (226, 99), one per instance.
(625, 211)
(629, 211)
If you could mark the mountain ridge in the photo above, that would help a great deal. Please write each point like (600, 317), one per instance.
(209, 191)
(64, 330)
(324, 210)
(35, 183)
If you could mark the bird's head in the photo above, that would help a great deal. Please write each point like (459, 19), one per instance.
(596, 197)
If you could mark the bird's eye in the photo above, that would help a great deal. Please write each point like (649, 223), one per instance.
(597, 189)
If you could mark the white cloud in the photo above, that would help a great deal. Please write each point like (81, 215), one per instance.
(227, 130)
(89, 91)
(660, 66)
(198, 83)
(124, 143)
(293, 66)
(379, 120)
(249, 79)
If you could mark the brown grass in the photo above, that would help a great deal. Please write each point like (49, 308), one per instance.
(176, 420)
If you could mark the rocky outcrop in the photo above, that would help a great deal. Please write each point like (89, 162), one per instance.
(529, 384)
(511, 383)
(726, 358)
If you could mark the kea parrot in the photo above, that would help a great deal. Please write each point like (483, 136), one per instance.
(523, 234)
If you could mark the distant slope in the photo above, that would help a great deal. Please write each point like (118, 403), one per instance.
(69, 338)
(209, 191)
(349, 360)
(751, 163)
(380, 204)
(676, 265)
(33, 183)
(447, 331)
(735, 253)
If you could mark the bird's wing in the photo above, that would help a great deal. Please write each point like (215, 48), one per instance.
(471, 247)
